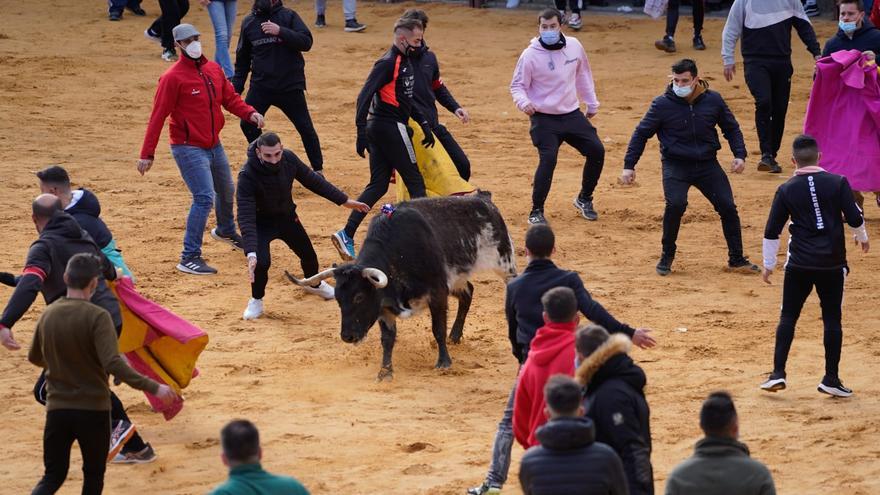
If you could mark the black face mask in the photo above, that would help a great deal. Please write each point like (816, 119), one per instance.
(410, 50)
(264, 7)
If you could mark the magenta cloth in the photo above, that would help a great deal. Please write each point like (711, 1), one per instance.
(843, 114)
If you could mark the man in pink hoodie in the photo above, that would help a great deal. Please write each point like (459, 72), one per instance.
(551, 78)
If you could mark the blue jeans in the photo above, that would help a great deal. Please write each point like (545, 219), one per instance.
(119, 5)
(223, 17)
(207, 175)
(503, 444)
(348, 8)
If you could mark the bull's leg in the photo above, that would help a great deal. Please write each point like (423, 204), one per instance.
(389, 336)
(464, 305)
(439, 306)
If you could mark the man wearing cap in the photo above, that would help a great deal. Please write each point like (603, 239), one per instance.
(192, 91)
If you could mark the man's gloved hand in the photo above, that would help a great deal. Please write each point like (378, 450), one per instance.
(428, 142)
(361, 144)
(7, 278)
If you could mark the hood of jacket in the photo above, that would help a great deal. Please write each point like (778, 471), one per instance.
(88, 204)
(720, 447)
(62, 226)
(567, 433)
(609, 361)
(550, 341)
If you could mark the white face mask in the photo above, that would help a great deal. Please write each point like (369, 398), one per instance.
(194, 49)
(682, 91)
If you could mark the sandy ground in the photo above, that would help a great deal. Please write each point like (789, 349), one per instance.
(77, 91)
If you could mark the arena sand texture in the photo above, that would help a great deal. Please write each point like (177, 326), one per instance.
(77, 90)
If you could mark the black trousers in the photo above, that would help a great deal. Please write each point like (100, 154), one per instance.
(293, 104)
(712, 182)
(699, 11)
(117, 413)
(390, 147)
(172, 13)
(91, 429)
(548, 132)
(769, 81)
(795, 289)
(459, 159)
(573, 5)
(291, 231)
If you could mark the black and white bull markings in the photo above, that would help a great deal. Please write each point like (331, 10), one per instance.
(416, 257)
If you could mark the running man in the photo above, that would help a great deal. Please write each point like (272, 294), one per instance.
(551, 77)
(266, 212)
(667, 44)
(430, 89)
(384, 106)
(270, 47)
(192, 92)
(818, 203)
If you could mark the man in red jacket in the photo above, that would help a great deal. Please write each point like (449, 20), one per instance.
(192, 92)
(552, 352)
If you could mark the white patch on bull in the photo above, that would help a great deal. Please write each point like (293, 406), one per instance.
(413, 307)
(487, 259)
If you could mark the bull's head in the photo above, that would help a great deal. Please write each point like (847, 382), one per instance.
(359, 295)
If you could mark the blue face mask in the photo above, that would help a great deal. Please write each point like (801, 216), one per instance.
(682, 91)
(550, 37)
(847, 27)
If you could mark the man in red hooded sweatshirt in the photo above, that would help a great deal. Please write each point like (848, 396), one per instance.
(552, 352)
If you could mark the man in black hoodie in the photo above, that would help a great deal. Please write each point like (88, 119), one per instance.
(569, 461)
(83, 206)
(266, 212)
(384, 106)
(270, 48)
(684, 119)
(855, 32)
(429, 88)
(614, 392)
(61, 237)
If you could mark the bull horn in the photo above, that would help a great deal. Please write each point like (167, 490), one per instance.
(311, 280)
(376, 276)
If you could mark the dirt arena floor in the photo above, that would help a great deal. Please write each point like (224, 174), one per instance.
(77, 90)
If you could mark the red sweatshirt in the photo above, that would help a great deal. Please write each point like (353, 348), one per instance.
(192, 91)
(552, 352)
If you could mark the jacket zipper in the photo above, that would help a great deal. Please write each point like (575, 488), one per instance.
(210, 88)
(694, 128)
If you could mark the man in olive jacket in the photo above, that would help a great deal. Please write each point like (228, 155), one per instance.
(721, 464)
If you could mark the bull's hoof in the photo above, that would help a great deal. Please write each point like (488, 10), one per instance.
(443, 364)
(455, 338)
(385, 374)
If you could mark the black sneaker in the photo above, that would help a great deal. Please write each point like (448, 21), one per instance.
(320, 21)
(698, 43)
(115, 16)
(233, 240)
(834, 387)
(743, 265)
(136, 10)
(666, 44)
(774, 382)
(196, 266)
(664, 266)
(120, 434)
(775, 168)
(769, 164)
(585, 207)
(169, 55)
(353, 26)
(536, 217)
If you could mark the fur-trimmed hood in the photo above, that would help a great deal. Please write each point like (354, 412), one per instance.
(611, 360)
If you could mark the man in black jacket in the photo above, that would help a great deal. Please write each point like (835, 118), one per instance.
(429, 88)
(525, 314)
(765, 29)
(270, 47)
(266, 212)
(817, 202)
(684, 120)
(384, 106)
(614, 392)
(83, 206)
(569, 461)
(61, 237)
(855, 33)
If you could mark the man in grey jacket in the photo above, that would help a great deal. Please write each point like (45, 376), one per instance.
(721, 464)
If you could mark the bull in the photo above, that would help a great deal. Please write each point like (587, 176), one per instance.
(416, 257)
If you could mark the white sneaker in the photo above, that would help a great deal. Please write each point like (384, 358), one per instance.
(254, 309)
(324, 290)
(155, 39)
(574, 22)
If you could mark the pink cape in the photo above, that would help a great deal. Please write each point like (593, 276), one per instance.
(843, 114)
(158, 343)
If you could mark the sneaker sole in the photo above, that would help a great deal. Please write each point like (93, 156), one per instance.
(822, 388)
(123, 440)
(747, 270)
(318, 293)
(217, 237)
(135, 461)
(193, 272)
(774, 387)
(662, 273)
(354, 30)
(763, 167)
(340, 248)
